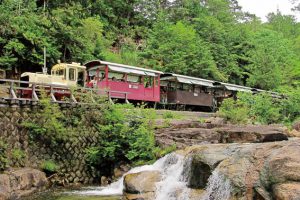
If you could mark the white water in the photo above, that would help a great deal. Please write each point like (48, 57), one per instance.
(173, 186)
(218, 187)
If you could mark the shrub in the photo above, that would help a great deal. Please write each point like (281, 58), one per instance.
(18, 156)
(258, 108)
(263, 108)
(234, 111)
(49, 122)
(49, 166)
(168, 115)
(126, 133)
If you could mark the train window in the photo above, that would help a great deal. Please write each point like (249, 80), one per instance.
(179, 86)
(133, 79)
(59, 72)
(148, 81)
(156, 81)
(115, 76)
(72, 76)
(172, 86)
(187, 87)
(197, 89)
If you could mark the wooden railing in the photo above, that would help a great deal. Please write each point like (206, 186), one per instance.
(17, 92)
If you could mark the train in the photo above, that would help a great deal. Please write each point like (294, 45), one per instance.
(131, 84)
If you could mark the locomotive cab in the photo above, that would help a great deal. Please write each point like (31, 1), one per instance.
(63, 74)
(68, 74)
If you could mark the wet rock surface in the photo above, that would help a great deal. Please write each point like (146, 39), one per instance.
(15, 184)
(142, 182)
(254, 171)
(188, 133)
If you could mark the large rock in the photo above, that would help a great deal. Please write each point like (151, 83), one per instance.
(195, 133)
(287, 191)
(141, 182)
(261, 171)
(15, 184)
(296, 126)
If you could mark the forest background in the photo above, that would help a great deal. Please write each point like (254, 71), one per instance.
(211, 39)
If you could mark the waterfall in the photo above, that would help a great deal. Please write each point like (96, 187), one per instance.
(175, 171)
(218, 187)
(174, 180)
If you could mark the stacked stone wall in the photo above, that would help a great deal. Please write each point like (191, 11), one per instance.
(69, 155)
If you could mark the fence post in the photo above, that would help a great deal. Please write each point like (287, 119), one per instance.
(11, 91)
(52, 94)
(34, 96)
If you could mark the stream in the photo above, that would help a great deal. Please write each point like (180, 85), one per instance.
(175, 171)
(84, 193)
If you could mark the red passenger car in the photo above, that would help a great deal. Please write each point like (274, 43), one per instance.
(124, 81)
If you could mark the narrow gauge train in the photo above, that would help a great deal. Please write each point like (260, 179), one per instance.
(133, 84)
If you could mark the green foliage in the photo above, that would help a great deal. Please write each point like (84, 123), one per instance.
(262, 107)
(162, 152)
(259, 108)
(270, 60)
(18, 156)
(291, 105)
(48, 124)
(211, 39)
(49, 166)
(234, 111)
(168, 115)
(126, 133)
(177, 48)
(3, 156)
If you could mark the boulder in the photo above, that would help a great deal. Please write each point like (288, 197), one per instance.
(294, 133)
(17, 183)
(201, 133)
(121, 170)
(141, 182)
(216, 120)
(287, 191)
(3, 195)
(4, 184)
(251, 133)
(296, 126)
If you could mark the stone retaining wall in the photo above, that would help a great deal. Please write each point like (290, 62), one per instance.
(69, 156)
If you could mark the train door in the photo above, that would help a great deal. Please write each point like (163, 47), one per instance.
(149, 87)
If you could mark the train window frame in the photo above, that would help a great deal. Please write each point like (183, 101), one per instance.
(148, 81)
(72, 74)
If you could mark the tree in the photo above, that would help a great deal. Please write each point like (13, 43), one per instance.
(271, 60)
(177, 48)
(24, 35)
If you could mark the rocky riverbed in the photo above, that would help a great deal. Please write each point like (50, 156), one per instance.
(186, 133)
(222, 171)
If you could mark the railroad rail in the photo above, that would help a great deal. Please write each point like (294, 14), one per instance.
(25, 92)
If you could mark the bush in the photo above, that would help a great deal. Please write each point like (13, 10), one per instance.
(49, 122)
(263, 108)
(234, 111)
(49, 166)
(18, 157)
(126, 133)
(256, 108)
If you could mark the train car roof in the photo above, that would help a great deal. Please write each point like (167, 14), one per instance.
(123, 68)
(188, 79)
(213, 84)
(60, 66)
